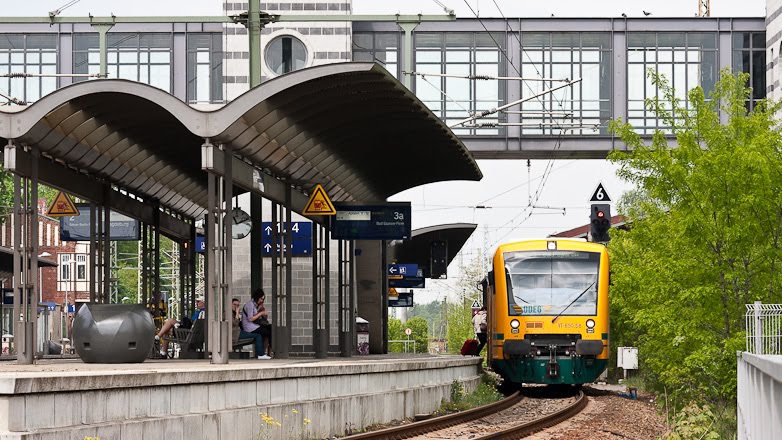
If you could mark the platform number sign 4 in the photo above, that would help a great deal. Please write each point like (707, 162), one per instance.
(600, 194)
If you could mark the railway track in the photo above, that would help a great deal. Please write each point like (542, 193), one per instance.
(451, 420)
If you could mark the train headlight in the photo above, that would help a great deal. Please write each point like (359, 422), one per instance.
(590, 323)
(514, 323)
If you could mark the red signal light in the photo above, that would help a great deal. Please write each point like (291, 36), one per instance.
(600, 214)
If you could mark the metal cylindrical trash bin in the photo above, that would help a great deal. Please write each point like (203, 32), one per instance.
(7, 341)
(362, 335)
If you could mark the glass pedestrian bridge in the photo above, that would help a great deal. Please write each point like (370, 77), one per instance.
(458, 67)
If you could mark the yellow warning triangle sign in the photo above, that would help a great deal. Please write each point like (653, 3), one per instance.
(319, 203)
(392, 292)
(62, 206)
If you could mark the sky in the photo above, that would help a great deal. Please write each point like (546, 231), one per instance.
(560, 204)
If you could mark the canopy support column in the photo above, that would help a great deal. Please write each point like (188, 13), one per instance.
(320, 290)
(218, 252)
(25, 243)
(345, 298)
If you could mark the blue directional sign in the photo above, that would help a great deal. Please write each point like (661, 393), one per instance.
(301, 234)
(389, 221)
(405, 270)
(200, 244)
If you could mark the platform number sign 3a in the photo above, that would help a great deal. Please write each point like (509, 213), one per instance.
(600, 194)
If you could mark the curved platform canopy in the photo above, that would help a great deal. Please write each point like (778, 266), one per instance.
(351, 127)
(418, 249)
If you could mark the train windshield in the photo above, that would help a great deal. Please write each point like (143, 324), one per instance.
(552, 282)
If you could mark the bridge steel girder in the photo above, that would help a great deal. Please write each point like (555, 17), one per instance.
(85, 187)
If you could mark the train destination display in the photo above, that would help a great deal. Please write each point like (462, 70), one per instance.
(389, 221)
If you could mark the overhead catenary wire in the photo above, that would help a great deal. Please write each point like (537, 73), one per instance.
(511, 104)
(532, 124)
(487, 77)
(12, 100)
(50, 75)
(527, 212)
(59, 10)
(442, 92)
(539, 112)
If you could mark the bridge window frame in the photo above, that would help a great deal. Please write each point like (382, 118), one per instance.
(465, 54)
(686, 59)
(567, 55)
(29, 53)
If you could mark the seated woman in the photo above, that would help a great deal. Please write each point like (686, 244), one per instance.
(167, 327)
(255, 321)
(237, 333)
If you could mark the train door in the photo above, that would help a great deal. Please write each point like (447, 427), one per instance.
(487, 286)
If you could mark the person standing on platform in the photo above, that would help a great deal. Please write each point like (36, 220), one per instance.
(480, 325)
(255, 321)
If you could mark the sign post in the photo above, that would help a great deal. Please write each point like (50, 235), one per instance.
(476, 306)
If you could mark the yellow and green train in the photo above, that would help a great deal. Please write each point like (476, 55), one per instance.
(547, 303)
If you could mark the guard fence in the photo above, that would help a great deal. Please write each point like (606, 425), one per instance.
(764, 328)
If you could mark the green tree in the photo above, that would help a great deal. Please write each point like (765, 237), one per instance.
(419, 334)
(459, 324)
(433, 314)
(7, 192)
(705, 238)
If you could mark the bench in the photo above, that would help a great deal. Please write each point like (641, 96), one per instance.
(237, 344)
(191, 341)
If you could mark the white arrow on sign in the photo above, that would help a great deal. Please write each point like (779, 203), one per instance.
(268, 230)
(268, 247)
(392, 269)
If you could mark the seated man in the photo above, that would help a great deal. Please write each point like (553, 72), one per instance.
(170, 323)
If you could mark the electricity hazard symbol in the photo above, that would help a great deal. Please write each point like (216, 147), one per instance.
(62, 206)
(319, 203)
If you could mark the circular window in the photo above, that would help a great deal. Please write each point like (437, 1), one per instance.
(285, 54)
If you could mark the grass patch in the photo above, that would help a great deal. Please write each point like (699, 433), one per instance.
(485, 393)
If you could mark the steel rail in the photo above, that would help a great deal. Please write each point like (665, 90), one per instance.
(437, 423)
(525, 429)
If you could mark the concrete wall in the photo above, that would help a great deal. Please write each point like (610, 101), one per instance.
(371, 292)
(326, 42)
(301, 325)
(773, 48)
(759, 402)
(226, 402)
